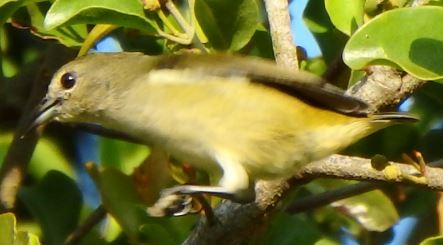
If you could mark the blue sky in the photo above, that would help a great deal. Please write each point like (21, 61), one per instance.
(302, 36)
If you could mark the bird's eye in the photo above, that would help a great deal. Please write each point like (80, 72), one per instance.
(68, 80)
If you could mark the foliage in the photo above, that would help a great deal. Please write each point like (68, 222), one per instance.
(363, 32)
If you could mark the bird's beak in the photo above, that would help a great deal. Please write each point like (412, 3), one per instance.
(47, 110)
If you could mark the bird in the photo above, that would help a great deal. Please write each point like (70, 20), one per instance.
(243, 119)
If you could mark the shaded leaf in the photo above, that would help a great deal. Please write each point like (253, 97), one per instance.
(411, 38)
(330, 40)
(55, 202)
(228, 24)
(286, 229)
(8, 7)
(122, 201)
(373, 210)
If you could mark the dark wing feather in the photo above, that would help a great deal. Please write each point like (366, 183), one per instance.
(308, 87)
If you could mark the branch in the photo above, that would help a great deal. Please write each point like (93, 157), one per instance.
(384, 86)
(280, 25)
(239, 223)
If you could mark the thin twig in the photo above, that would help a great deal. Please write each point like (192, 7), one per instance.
(93, 219)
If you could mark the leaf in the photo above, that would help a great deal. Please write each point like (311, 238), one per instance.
(122, 201)
(330, 40)
(285, 229)
(122, 155)
(437, 240)
(47, 156)
(417, 48)
(7, 226)
(120, 198)
(10, 236)
(346, 15)
(261, 44)
(228, 24)
(55, 202)
(31, 17)
(127, 13)
(373, 210)
(8, 7)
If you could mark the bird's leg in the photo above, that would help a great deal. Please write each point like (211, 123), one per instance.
(234, 185)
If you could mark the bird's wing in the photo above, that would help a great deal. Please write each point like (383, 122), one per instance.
(303, 85)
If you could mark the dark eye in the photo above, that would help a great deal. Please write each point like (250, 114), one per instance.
(67, 80)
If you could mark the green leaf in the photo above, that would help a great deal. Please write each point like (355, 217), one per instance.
(346, 15)
(33, 20)
(69, 36)
(122, 155)
(228, 24)
(55, 202)
(330, 40)
(261, 44)
(285, 229)
(7, 226)
(122, 201)
(8, 7)
(411, 38)
(127, 13)
(373, 210)
(438, 240)
(47, 156)
(10, 236)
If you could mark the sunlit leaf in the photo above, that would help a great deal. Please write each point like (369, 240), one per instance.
(438, 240)
(122, 155)
(127, 13)
(10, 235)
(7, 226)
(47, 156)
(346, 15)
(411, 38)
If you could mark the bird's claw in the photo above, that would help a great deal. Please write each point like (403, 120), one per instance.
(173, 205)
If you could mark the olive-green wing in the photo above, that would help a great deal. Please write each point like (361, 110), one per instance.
(306, 86)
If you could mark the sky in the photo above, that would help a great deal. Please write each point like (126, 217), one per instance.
(302, 36)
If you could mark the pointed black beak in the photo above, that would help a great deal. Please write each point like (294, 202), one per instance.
(47, 110)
